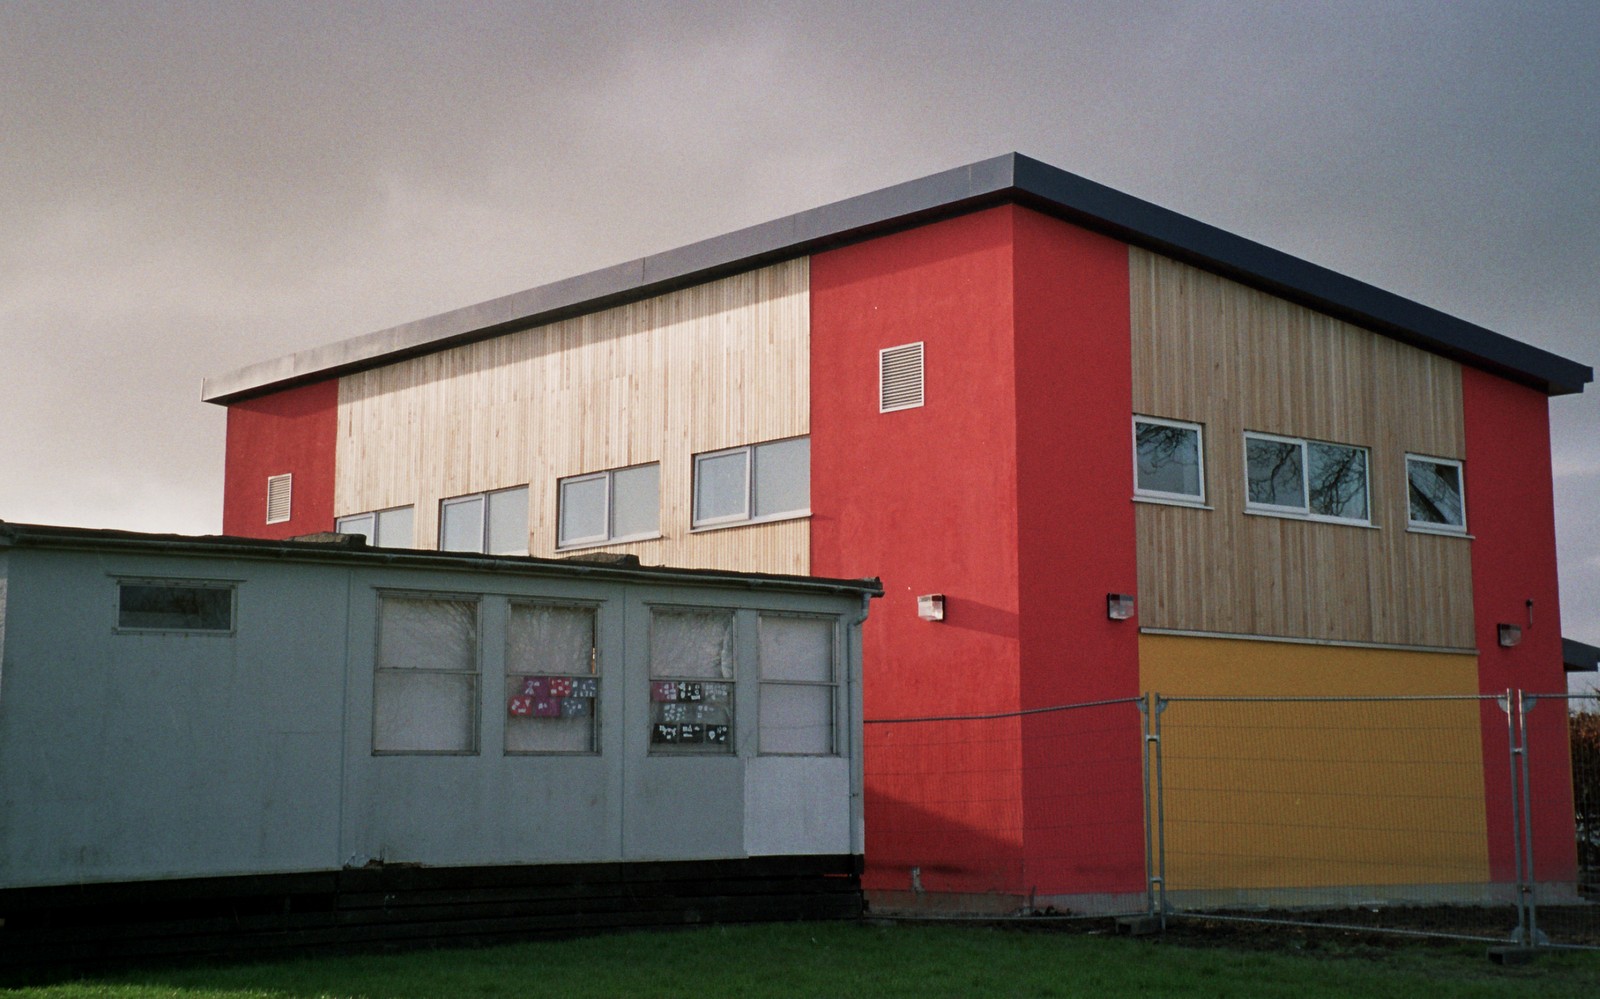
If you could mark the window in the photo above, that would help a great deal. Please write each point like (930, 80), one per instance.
(496, 523)
(900, 378)
(160, 605)
(798, 685)
(425, 684)
(753, 483)
(393, 528)
(1168, 460)
(691, 682)
(552, 682)
(279, 490)
(1323, 481)
(623, 504)
(1436, 499)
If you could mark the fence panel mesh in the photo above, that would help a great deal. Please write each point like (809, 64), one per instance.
(1562, 733)
(1039, 811)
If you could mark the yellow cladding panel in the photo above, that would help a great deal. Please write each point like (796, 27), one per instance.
(1298, 794)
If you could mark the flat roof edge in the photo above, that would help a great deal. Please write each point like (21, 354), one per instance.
(1011, 177)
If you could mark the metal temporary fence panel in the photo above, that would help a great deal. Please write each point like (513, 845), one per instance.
(1560, 735)
(1038, 811)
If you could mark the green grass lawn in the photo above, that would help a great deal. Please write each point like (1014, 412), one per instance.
(848, 959)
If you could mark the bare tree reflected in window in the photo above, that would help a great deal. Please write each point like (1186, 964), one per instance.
(1274, 476)
(1168, 459)
(1338, 481)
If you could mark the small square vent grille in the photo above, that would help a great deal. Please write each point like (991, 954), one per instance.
(900, 377)
(278, 489)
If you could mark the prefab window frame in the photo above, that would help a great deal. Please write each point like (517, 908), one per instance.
(1303, 509)
(128, 625)
(1428, 526)
(774, 683)
(611, 479)
(389, 676)
(525, 713)
(681, 699)
(1186, 499)
(749, 490)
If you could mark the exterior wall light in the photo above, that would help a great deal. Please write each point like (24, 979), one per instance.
(1119, 606)
(1510, 635)
(930, 607)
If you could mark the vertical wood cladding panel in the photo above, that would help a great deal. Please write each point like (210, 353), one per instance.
(712, 366)
(1212, 351)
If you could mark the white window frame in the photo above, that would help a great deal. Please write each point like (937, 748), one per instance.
(610, 537)
(1303, 511)
(375, 536)
(752, 454)
(485, 499)
(1159, 495)
(287, 480)
(1427, 527)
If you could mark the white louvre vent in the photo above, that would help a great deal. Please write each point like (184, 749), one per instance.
(278, 489)
(900, 377)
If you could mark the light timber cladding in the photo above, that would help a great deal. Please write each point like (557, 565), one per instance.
(711, 366)
(1215, 352)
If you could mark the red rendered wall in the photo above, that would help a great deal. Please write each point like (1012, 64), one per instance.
(1511, 515)
(926, 499)
(292, 431)
(1082, 769)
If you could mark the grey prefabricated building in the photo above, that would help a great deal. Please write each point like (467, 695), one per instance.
(132, 753)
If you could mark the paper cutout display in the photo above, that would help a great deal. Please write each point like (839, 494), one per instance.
(716, 693)
(664, 733)
(665, 691)
(690, 691)
(575, 707)
(717, 734)
(586, 686)
(675, 712)
(547, 707)
(521, 706)
(559, 686)
(534, 686)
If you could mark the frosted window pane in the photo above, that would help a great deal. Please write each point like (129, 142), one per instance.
(550, 735)
(1169, 459)
(796, 719)
(636, 501)
(583, 510)
(396, 528)
(461, 525)
(721, 488)
(361, 523)
(783, 477)
(550, 640)
(1338, 480)
(423, 712)
(796, 648)
(428, 634)
(508, 522)
(1274, 476)
(691, 644)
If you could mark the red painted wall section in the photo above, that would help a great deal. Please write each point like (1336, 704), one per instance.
(1511, 515)
(926, 499)
(1082, 769)
(293, 431)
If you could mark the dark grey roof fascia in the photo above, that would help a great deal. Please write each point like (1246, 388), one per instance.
(1011, 177)
(350, 550)
(1578, 657)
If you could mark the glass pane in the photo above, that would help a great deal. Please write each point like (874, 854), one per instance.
(423, 712)
(551, 714)
(691, 717)
(395, 528)
(583, 510)
(783, 477)
(364, 524)
(427, 634)
(1169, 459)
(1338, 480)
(1434, 490)
(691, 644)
(508, 521)
(461, 525)
(721, 489)
(796, 719)
(550, 640)
(796, 648)
(1273, 473)
(175, 608)
(636, 501)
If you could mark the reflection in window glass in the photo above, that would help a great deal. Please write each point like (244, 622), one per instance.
(1168, 459)
(1273, 473)
(1338, 480)
(174, 607)
(755, 482)
(691, 688)
(1434, 493)
(552, 690)
(426, 678)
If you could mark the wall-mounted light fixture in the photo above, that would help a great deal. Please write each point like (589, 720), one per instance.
(1510, 635)
(930, 607)
(1119, 606)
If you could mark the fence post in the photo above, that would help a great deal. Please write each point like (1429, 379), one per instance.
(1158, 883)
(1526, 703)
(1508, 704)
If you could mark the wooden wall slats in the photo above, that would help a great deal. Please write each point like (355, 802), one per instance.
(711, 366)
(1212, 351)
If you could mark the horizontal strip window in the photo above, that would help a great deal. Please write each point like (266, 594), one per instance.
(1168, 460)
(620, 504)
(175, 605)
(392, 528)
(495, 523)
(758, 482)
(1312, 479)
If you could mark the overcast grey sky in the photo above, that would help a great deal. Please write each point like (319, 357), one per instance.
(189, 187)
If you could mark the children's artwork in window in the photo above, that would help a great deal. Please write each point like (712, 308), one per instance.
(691, 688)
(552, 686)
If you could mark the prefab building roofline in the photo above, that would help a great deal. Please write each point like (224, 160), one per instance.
(1009, 178)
